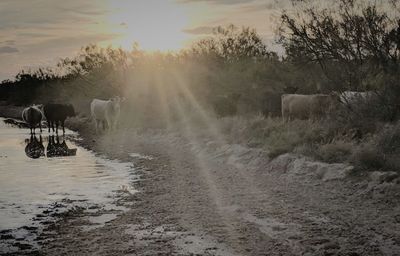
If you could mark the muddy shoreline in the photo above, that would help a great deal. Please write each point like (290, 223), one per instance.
(199, 195)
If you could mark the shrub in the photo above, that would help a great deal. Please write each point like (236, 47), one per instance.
(368, 158)
(388, 139)
(337, 151)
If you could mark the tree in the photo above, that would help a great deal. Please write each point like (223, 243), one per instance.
(232, 44)
(351, 40)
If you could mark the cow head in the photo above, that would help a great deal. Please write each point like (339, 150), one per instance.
(334, 101)
(70, 110)
(335, 97)
(115, 102)
(38, 106)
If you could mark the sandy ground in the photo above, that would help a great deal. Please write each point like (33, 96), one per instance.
(200, 195)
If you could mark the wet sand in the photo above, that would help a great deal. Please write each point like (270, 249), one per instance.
(200, 195)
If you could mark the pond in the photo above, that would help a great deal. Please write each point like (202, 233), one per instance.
(48, 171)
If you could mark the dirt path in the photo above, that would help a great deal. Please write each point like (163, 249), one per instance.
(200, 195)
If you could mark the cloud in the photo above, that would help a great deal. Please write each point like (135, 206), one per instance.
(202, 30)
(258, 7)
(224, 2)
(66, 44)
(20, 14)
(34, 34)
(8, 49)
(8, 42)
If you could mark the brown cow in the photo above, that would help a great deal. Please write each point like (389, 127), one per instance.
(315, 106)
(33, 116)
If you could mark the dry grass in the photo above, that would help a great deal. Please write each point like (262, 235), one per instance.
(326, 140)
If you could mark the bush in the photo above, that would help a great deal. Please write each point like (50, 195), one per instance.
(388, 139)
(368, 158)
(335, 152)
(379, 152)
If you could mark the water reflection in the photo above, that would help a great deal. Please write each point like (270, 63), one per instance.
(55, 148)
(34, 147)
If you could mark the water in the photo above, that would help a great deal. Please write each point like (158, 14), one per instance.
(35, 177)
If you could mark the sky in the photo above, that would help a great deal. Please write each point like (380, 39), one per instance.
(39, 32)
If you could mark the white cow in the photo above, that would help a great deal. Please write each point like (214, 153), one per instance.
(314, 106)
(106, 111)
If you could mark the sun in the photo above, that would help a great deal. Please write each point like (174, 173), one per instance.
(155, 25)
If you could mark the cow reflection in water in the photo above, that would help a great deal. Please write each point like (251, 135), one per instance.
(34, 147)
(55, 148)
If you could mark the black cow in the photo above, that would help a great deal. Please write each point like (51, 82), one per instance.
(57, 113)
(271, 101)
(226, 105)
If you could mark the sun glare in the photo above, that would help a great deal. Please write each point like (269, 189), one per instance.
(155, 25)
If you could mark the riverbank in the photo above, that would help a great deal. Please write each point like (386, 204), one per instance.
(201, 193)
(11, 111)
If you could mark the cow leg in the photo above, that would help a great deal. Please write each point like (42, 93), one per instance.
(285, 118)
(56, 127)
(100, 125)
(115, 124)
(48, 125)
(109, 124)
(63, 127)
(96, 124)
(284, 115)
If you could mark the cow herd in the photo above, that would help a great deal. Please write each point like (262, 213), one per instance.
(55, 114)
(105, 112)
(290, 105)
